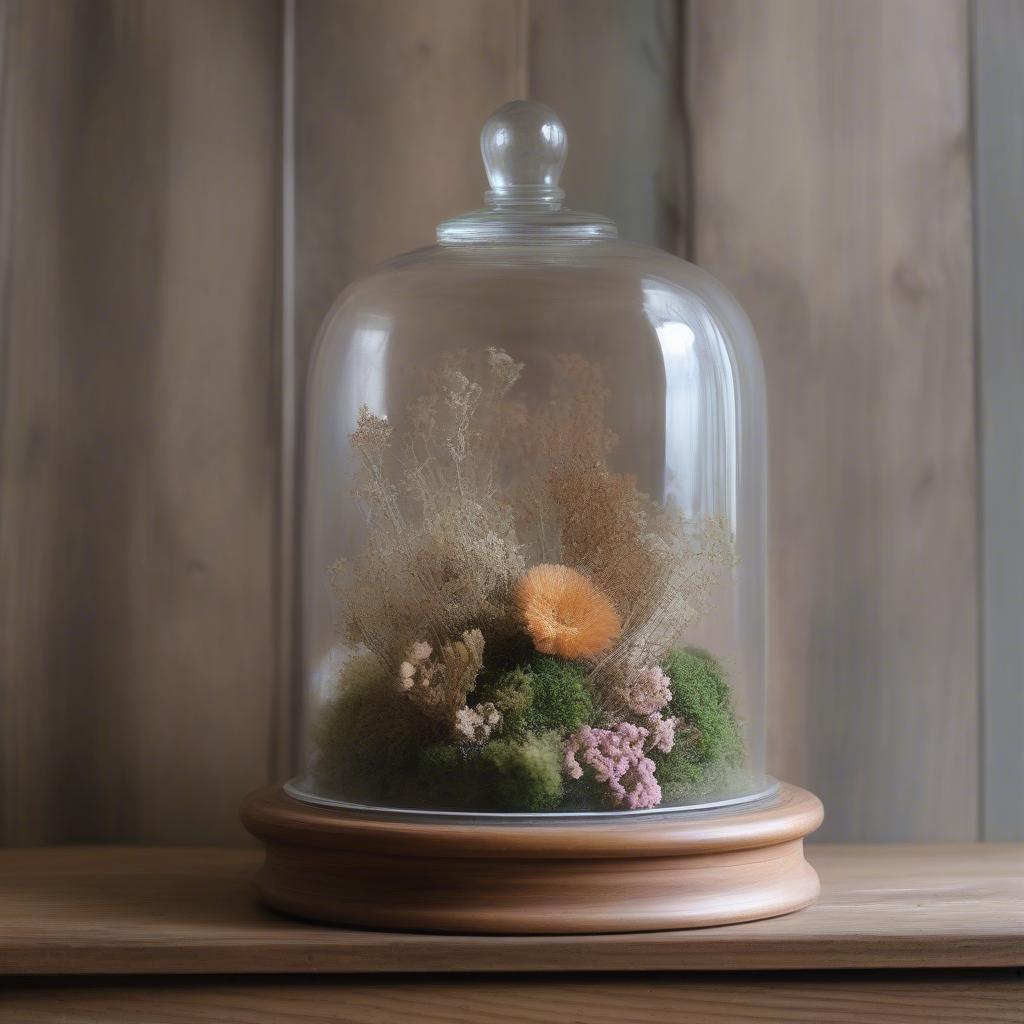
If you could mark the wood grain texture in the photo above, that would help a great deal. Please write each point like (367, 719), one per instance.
(138, 428)
(129, 910)
(832, 194)
(613, 875)
(389, 102)
(610, 71)
(999, 255)
(789, 815)
(866, 997)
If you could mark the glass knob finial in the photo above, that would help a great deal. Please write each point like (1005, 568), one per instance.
(523, 145)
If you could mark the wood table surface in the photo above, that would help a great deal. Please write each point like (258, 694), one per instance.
(153, 934)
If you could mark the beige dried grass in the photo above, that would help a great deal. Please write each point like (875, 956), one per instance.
(441, 551)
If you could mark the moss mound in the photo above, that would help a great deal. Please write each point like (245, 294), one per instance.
(522, 774)
(373, 745)
(541, 694)
(709, 741)
(367, 739)
(526, 774)
(449, 777)
(513, 697)
(563, 698)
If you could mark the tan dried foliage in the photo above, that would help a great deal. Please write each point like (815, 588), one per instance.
(442, 551)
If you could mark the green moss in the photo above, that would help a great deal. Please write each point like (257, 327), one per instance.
(586, 794)
(367, 739)
(513, 697)
(563, 698)
(440, 759)
(524, 775)
(373, 745)
(520, 768)
(541, 694)
(449, 777)
(709, 742)
(505, 775)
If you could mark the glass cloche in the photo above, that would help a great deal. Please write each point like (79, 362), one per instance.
(533, 557)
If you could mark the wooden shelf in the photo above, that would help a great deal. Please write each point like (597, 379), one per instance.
(134, 910)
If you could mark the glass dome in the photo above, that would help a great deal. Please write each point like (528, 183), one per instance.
(533, 557)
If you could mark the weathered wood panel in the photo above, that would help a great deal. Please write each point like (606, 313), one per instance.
(832, 193)
(999, 256)
(389, 101)
(181, 911)
(138, 424)
(610, 71)
(829, 997)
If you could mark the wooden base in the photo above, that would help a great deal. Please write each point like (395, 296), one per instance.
(640, 874)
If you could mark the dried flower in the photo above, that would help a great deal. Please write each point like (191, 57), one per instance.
(477, 724)
(662, 733)
(564, 613)
(420, 651)
(617, 757)
(630, 686)
(648, 691)
(439, 685)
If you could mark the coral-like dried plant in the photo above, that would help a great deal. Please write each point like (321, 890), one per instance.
(564, 613)
(662, 733)
(618, 759)
(656, 566)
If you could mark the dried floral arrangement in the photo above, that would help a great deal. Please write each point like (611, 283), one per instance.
(521, 648)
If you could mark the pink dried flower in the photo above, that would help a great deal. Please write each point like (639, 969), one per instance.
(662, 732)
(644, 790)
(649, 691)
(570, 765)
(617, 757)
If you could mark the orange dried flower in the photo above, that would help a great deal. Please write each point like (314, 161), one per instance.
(564, 613)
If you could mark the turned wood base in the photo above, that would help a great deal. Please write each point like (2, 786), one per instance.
(661, 872)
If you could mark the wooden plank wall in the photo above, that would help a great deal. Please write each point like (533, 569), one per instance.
(376, 168)
(814, 154)
(138, 478)
(999, 233)
(626, 143)
(832, 193)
